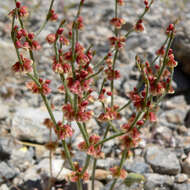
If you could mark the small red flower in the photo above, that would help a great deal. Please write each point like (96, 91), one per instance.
(120, 2)
(24, 67)
(76, 175)
(118, 173)
(139, 26)
(117, 22)
(52, 15)
(51, 38)
(64, 130)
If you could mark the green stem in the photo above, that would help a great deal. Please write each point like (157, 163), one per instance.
(46, 20)
(93, 173)
(110, 138)
(123, 107)
(68, 154)
(165, 57)
(88, 157)
(112, 82)
(83, 133)
(113, 184)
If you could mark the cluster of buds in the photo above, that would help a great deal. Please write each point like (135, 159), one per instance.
(52, 15)
(120, 2)
(139, 26)
(92, 149)
(25, 40)
(43, 87)
(21, 10)
(82, 114)
(117, 42)
(117, 172)
(77, 174)
(25, 66)
(117, 22)
(64, 130)
(111, 113)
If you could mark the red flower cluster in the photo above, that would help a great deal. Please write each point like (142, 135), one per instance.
(120, 2)
(171, 61)
(22, 10)
(111, 113)
(63, 130)
(92, 150)
(139, 26)
(117, 22)
(130, 139)
(25, 40)
(52, 15)
(117, 42)
(43, 88)
(24, 67)
(76, 175)
(81, 115)
(118, 173)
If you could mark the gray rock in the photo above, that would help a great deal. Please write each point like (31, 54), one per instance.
(162, 160)
(119, 185)
(187, 119)
(181, 178)
(186, 165)
(6, 172)
(27, 124)
(97, 185)
(4, 187)
(22, 158)
(137, 166)
(106, 163)
(158, 182)
(184, 186)
(57, 164)
(7, 146)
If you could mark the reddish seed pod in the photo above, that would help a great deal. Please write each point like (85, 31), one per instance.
(140, 122)
(31, 36)
(18, 4)
(109, 93)
(60, 31)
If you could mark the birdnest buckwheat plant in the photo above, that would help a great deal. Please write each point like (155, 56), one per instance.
(77, 70)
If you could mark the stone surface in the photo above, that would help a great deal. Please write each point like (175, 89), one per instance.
(158, 182)
(97, 185)
(185, 186)
(187, 120)
(186, 165)
(57, 164)
(181, 178)
(27, 124)
(6, 172)
(137, 166)
(162, 160)
(101, 174)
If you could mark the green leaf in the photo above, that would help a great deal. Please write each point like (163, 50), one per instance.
(133, 178)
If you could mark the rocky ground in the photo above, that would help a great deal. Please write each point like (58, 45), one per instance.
(163, 156)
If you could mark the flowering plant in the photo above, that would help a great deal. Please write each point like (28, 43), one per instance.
(73, 63)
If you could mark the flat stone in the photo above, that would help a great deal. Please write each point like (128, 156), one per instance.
(181, 178)
(186, 165)
(162, 161)
(27, 124)
(97, 185)
(137, 166)
(101, 174)
(6, 172)
(184, 186)
(57, 164)
(158, 182)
